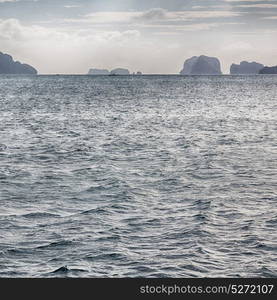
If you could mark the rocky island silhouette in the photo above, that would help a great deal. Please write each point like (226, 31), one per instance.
(268, 70)
(9, 66)
(245, 68)
(201, 65)
(196, 65)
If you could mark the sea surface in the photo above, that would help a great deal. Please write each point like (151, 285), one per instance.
(138, 176)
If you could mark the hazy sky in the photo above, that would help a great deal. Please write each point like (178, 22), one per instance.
(152, 36)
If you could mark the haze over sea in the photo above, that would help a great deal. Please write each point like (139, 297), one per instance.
(138, 176)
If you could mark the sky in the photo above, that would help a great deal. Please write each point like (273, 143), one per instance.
(151, 36)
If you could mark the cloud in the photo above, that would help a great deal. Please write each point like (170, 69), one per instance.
(12, 29)
(260, 5)
(270, 18)
(185, 15)
(237, 46)
(152, 15)
(157, 15)
(247, 1)
(6, 1)
(194, 15)
(52, 49)
(72, 6)
(108, 17)
(189, 27)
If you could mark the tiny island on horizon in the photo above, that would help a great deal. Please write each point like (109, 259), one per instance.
(196, 65)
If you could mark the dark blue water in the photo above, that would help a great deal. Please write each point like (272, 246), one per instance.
(153, 176)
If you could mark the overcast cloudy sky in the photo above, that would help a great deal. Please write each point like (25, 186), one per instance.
(152, 36)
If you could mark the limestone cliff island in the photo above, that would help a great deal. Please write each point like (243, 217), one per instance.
(246, 68)
(201, 65)
(117, 71)
(9, 66)
(268, 70)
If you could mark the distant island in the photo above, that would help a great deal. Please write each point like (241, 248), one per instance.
(201, 65)
(9, 66)
(245, 68)
(117, 71)
(120, 71)
(268, 70)
(196, 65)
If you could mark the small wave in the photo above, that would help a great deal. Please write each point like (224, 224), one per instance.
(3, 147)
(62, 270)
(38, 215)
(94, 211)
(16, 252)
(59, 244)
(65, 270)
(144, 269)
(266, 272)
(226, 141)
(107, 256)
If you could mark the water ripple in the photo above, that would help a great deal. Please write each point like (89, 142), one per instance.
(159, 176)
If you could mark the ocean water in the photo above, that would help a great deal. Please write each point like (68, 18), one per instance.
(139, 176)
